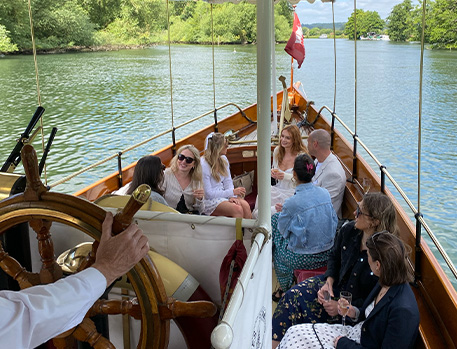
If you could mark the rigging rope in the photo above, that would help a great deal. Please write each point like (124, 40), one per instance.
(334, 53)
(169, 63)
(212, 46)
(424, 5)
(37, 82)
(355, 66)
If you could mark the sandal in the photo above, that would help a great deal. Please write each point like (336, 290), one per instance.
(277, 295)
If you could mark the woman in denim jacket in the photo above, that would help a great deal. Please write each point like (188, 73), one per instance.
(304, 228)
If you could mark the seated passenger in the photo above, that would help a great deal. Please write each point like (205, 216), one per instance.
(304, 229)
(347, 269)
(329, 172)
(182, 183)
(148, 170)
(389, 317)
(221, 199)
(290, 145)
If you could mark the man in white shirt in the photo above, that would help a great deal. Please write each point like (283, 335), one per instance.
(34, 315)
(329, 172)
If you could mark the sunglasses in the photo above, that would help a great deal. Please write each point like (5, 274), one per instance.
(374, 243)
(359, 212)
(188, 159)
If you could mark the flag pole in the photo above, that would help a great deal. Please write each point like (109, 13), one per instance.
(291, 72)
(292, 63)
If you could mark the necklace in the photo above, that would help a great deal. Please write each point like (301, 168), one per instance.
(381, 294)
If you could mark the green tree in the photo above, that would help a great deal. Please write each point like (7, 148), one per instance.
(101, 12)
(314, 32)
(284, 9)
(58, 24)
(443, 24)
(367, 21)
(400, 21)
(416, 22)
(5, 42)
(15, 18)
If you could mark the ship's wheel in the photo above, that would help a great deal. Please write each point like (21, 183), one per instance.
(40, 208)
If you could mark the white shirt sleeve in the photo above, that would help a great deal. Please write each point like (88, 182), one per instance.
(32, 316)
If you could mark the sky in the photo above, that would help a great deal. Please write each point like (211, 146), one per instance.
(320, 12)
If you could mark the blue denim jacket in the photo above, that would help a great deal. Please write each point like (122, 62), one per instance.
(308, 220)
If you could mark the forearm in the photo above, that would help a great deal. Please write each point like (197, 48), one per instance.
(32, 316)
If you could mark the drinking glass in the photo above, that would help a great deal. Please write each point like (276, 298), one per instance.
(366, 184)
(344, 308)
(327, 296)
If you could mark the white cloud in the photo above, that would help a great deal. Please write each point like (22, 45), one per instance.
(322, 12)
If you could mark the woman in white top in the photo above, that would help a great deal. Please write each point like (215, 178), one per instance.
(182, 183)
(221, 198)
(290, 145)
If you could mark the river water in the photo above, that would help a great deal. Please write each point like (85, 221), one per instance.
(104, 102)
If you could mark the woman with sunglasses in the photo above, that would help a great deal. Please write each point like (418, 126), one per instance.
(221, 198)
(182, 183)
(389, 317)
(148, 170)
(347, 270)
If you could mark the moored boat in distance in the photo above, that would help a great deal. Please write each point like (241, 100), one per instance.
(375, 37)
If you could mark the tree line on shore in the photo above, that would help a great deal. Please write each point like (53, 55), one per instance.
(74, 23)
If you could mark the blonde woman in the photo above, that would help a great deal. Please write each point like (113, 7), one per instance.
(221, 198)
(182, 185)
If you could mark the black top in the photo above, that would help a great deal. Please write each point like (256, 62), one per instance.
(349, 267)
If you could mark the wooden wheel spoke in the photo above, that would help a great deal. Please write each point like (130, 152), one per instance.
(114, 307)
(14, 269)
(86, 332)
(50, 270)
(174, 308)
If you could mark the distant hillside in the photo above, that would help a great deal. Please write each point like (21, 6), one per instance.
(338, 25)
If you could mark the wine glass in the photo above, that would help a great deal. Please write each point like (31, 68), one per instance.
(366, 184)
(344, 306)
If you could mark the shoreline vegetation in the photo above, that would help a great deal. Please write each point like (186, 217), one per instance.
(93, 25)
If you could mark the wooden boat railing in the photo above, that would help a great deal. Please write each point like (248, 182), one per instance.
(168, 131)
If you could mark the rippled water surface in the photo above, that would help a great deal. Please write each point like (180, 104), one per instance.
(107, 101)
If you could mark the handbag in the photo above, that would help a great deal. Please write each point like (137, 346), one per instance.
(245, 180)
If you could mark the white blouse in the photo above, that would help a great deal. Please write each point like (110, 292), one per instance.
(173, 192)
(287, 182)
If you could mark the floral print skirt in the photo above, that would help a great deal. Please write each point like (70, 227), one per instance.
(299, 305)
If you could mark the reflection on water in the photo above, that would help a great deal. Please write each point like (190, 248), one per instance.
(105, 102)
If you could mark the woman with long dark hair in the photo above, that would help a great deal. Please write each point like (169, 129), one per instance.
(148, 170)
